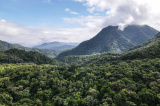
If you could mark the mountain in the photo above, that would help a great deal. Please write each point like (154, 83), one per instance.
(152, 42)
(21, 56)
(6, 46)
(149, 49)
(111, 39)
(60, 46)
(106, 79)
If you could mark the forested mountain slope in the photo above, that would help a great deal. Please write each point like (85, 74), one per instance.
(152, 42)
(21, 56)
(6, 46)
(148, 50)
(111, 39)
(105, 79)
(81, 59)
(124, 83)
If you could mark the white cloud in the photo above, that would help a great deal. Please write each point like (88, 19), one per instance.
(88, 21)
(67, 9)
(11, 29)
(2, 20)
(123, 12)
(91, 10)
(70, 11)
(126, 22)
(14, 33)
(118, 12)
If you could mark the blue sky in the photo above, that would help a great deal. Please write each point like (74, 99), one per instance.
(36, 13)
(33, 22)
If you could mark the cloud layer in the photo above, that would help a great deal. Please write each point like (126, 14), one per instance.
(14, 33)
(124, 12)
(115, 12)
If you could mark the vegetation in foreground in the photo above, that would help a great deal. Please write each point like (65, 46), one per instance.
(130, 79)
(21, 56)
(130, 83)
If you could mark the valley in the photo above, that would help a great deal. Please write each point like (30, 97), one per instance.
(111, 69)
(79, 53)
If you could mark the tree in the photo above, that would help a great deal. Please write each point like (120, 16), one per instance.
(5, 99)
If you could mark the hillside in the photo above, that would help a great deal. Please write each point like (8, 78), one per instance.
(85, 59)
(60, 46)
(111, 39)
(6, 46)
(152, 42)
(21, 56)
(117, 83)
(148, 50)
(104, 79)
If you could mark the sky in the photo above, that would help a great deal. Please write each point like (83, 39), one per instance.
(33, 22)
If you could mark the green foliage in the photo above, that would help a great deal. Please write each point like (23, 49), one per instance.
(21, 56)
(5, 99)
(130, 79)
(128, 83)
(83, 59)
(6, 46)
(111, 39)
(150, 52)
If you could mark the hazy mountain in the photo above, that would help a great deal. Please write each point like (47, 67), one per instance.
(57, 46)
(111, 39)
(6, 46)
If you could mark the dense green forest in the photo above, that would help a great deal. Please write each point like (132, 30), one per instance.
(6, 46)
(150, 52)
(104, 79)
(81, 59)
(121, 80)
(128, 83)
(21, 56)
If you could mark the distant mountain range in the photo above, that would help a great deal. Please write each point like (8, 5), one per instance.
(6, 46)
(60, 46)
(111, 39)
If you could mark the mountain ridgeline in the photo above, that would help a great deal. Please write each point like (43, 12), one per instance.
(59, 46)
(111, 39)
(21, 56)
(6, 46)
(148, 50)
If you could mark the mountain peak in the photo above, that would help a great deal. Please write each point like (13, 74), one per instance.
(111, 39)
(110, 27)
